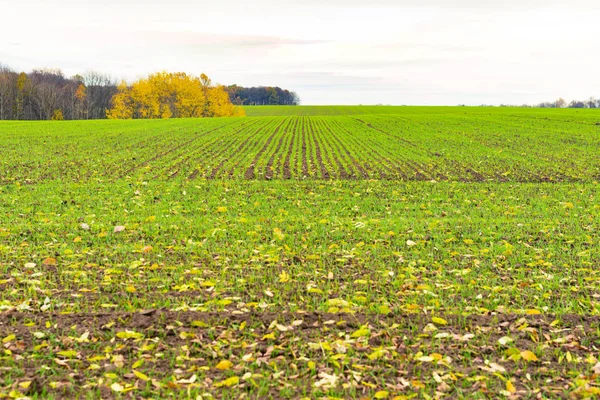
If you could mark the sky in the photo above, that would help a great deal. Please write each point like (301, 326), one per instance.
(417, 52)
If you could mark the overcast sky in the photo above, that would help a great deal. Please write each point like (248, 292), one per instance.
(329, 51)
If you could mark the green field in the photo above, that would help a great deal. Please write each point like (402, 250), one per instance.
(317, 252)
(415, 143)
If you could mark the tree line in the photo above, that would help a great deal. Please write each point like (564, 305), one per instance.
(261, 96)
(592, 102)
(45, 94)
(562, 103)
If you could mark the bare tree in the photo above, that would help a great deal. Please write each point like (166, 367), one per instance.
(592, 102)
(8, 79)
(100, 88)
(48, 93)
(3, 87)
(576, 104)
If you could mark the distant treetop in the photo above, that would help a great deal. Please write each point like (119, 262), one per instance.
(261, 96)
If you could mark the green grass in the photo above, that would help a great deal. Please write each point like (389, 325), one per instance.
(515, 245)
(179, 259)
(442, 144)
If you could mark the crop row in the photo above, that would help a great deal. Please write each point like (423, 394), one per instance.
(455, 147)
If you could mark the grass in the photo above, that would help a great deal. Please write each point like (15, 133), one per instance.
(454, 145)
(122, 278)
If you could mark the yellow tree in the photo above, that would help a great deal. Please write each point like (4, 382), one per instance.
(190, 98)
(80, 97)
(219, 104)
(144, 100)
(166, 95)
(122, 107)
(57, 115)
(22, 82)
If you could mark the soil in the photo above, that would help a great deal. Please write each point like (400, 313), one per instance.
(575, 333)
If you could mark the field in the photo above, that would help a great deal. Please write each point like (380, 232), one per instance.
(317, 252)
(442, 144)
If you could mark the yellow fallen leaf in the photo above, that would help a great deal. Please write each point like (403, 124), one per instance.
(418, 384)
(504, 340)
(510, 387)
(25, 384)
(67, 353)
(186, 335)
(117, 387)
(363, 331)
(189, 381)
(84, 338)
(439, 321)
(129, 335)
(224, 365)
(284, 277)
(140, 375)
(278, 234)
(533, 312)
(234, 380)
(376, 354)
(382, 394)
(528, 355)
(118, 360)
(9, 338)
(425, 359)
(384, 309)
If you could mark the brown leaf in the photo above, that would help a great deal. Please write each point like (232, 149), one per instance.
(49, 261)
